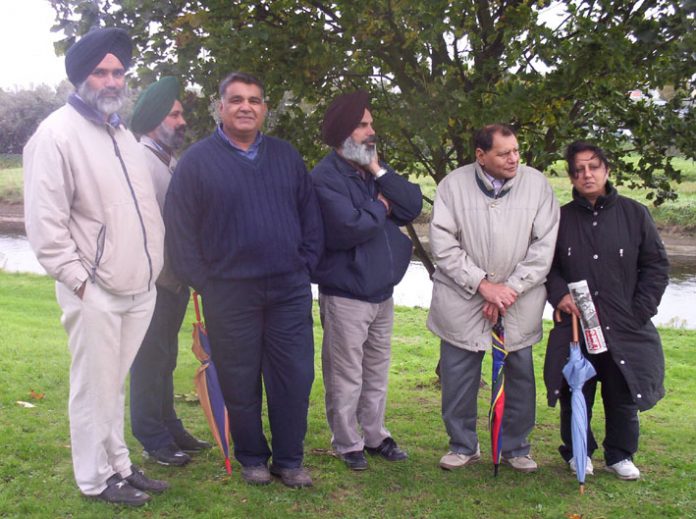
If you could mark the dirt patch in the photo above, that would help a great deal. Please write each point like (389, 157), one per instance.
(677, 241)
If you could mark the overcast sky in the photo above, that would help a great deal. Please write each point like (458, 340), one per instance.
(26, 45)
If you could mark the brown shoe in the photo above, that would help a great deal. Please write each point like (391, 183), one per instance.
(256, 475)
(294, 478)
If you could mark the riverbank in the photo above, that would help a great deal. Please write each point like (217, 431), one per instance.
(679, 243)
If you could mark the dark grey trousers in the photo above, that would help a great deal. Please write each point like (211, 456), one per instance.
(460, 372)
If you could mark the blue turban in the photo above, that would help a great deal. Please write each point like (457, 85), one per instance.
(83, 57)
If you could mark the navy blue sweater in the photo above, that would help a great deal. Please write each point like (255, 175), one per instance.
(366, 254)
(230, 217)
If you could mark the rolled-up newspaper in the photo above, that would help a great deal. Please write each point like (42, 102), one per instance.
(591, 329)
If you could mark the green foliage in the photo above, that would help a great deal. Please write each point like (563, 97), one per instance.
(36, 477)
(437, 70)
(21, 112)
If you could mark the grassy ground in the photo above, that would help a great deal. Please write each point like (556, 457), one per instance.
(36, 472)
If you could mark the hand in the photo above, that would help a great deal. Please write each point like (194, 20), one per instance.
(568, 306)
(498, 294)
(373, 167)
(386, 202)
(81, 291)
(490, 312)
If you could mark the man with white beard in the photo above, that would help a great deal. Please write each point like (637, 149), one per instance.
(158, 117)
(93, 222)
(363, 203)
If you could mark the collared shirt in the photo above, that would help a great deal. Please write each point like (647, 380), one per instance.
(249, 153)
(496, 182)
(91, 113)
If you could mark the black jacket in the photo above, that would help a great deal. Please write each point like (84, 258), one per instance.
(365, 253)
(615, 246)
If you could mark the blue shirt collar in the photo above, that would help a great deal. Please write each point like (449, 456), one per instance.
(92, 114)
(249, 153)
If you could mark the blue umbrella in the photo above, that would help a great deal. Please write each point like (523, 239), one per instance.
(577, 371)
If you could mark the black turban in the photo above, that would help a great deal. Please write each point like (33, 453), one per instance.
(83, 57)
(154, 104)
(343, 116)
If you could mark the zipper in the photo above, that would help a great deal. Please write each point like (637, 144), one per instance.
(117, 151)
(101, 238)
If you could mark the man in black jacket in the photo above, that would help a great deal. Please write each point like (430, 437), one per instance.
(611, 242)
(363, 203)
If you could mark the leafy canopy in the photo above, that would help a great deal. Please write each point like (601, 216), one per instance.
(437, 70)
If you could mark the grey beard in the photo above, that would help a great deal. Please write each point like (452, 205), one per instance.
(172, 138)
(106, 105)
(359, 153)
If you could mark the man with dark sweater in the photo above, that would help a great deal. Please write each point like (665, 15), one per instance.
(243, 228)
(363, 203)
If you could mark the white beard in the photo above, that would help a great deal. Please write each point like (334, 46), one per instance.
(106, 105)
(359, 153)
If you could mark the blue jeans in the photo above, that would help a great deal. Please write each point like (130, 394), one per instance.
(261, 330)
(153, 418)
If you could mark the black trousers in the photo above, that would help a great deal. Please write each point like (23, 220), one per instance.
(153, 419)
(620, 412)
(260, 332)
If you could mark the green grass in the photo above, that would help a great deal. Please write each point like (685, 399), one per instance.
(36, 472)
(11, 185)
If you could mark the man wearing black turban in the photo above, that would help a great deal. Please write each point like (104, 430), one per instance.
(363, 203)
(159, 117)
(93, 222)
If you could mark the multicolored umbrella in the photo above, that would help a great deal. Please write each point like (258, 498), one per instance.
(208, 387)
(495, 413)
(577, 371)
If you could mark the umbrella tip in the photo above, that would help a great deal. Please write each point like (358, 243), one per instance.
(228, 466)
(495, 470)
(582, 489)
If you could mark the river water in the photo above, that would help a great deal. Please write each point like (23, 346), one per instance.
(678, 307)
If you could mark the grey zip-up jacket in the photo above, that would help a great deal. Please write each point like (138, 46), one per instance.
(89, 204)
(508, 238)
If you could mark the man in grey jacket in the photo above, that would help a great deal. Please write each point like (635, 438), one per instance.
(158, 117)
(93, 222)
(492, 235)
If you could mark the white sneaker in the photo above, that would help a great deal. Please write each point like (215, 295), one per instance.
(456, 460)
(624, 469)
(521, 463)
(589, 469)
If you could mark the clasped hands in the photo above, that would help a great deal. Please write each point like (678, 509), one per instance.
(498, 296)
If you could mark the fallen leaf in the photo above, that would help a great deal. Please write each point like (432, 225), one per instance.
(25, 404)
(35, 395)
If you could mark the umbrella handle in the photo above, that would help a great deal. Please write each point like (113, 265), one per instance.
(196, 307)
(574, 322)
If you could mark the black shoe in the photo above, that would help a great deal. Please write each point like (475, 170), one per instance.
(355, 460)
(388, 449)
(189, 443)
(138, 480)
(119, 492)
(169, 455)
